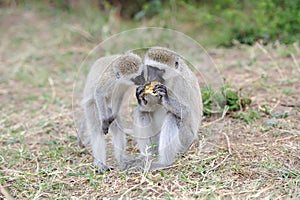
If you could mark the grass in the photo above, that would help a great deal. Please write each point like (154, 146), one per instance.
(244, 157)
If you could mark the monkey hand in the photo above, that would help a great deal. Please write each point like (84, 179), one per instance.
(161, 91)
(140, 94)
(106, 123)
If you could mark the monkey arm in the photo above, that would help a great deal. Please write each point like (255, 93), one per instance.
(104, 112)
(118, 91)
(106, 123)
(171, 103)
(139, 93)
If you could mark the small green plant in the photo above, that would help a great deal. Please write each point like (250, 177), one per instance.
(250, 116)
(149, 9)
(207, 100)
(227, 96)
(287, 91)
(269, 124)
(234, 98)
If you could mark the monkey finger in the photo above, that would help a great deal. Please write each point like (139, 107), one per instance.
(140, 93)
(140, 89)
(105, 168)
(105, 130)
(110, 119)
(161, 93)
(144, 100)
(160, 87)
(105, 127)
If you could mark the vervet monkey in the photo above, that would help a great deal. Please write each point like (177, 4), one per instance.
(168, 119)
(107, 81)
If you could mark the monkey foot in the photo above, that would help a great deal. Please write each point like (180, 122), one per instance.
(102, 168)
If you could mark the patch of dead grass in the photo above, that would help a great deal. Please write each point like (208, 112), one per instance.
(233, 160)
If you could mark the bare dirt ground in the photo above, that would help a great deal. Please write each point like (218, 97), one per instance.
(251, 154)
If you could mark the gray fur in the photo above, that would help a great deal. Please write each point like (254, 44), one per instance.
(106, 84)
(172, 119)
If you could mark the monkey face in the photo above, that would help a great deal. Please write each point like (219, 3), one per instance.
(162, 64)
(155, 74)
(139, 79)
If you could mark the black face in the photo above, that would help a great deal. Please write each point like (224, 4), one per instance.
(155, 74)
(139, 80)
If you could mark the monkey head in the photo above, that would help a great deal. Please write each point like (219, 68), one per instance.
(128, 69)
(159, 61)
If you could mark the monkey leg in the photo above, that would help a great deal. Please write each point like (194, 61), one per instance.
(144, 130)
(97, 139)
(169, 143)
(119, 142)
(99, 153)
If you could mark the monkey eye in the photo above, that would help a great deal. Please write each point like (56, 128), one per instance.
(118, 75)
(176, 64)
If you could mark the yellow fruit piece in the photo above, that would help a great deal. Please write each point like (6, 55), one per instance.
(149, 88)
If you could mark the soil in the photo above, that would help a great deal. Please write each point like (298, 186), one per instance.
(233, 158)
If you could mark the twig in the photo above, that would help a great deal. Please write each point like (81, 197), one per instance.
(296, 47)
(6, 193)
(80, 31)
(271, 58)
(277, 103)
(229, 151)
(219, 119)
(228, 143)
(261, 191)
(130, 189)
(51, 82)
(290, 105)
(218, 165)
(286, 138)
(295, 61)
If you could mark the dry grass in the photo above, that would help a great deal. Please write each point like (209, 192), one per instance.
(234, 159)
